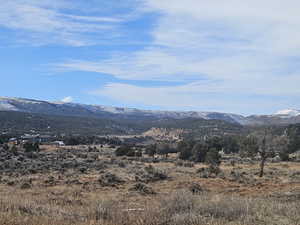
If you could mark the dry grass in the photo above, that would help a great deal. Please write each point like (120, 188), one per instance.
(113, 195)
(179, 207)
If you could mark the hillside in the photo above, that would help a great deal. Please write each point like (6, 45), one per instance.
(107, 112)
(24, 122)
(283, 117)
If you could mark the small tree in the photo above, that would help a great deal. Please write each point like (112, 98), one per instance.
(281, 145)
(4, 139)
(265, 149)
(164, 149)
(213, 159)
(151, 150)
(131, 152)
(284, 156)
(249, 146)
(230, 144)
(293, 134)
(215, 142)
(31, 147)
(185, 150)
(199, 152)
(14, 149)
(263, 145)
(72, 141)
(124, 150)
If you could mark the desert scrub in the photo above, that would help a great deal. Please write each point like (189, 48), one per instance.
(150, 174)
(176, 208)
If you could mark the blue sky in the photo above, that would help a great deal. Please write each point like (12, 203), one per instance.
(227, 56)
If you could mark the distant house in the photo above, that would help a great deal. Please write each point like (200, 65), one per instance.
(36, 138)
(58, 143)
(13, 141)
(30, 138)
(45, 138)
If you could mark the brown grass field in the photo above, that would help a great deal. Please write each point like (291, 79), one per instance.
(130, 191)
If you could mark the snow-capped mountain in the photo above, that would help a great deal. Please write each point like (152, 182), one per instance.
(5, 106)
(99, 111)
(287, 113)
(73, 109)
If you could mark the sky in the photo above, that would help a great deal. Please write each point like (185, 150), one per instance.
(219, 55)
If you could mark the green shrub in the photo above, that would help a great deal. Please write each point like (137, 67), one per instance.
(31, 147)
(213, 158)
(284, 156)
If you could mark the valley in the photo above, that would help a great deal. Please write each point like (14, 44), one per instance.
(68, 165)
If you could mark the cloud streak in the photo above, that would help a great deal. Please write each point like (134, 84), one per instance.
(190, 97)
(217, 49)
(57, 22)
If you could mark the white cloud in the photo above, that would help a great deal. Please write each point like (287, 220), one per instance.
(150, 64)
(67, 99)
(163, 96)
(252, 97)
(196, 37)
(47, 22)
(268, 25)
(237, 47)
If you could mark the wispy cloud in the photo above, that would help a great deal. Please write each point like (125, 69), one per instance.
(58, 22)
(209, 95)
(220, 48)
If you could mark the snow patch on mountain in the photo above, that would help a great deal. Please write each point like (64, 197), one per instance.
(34, 106)
(74, 109)
(288, 113)
(19, 100)
(5, 106)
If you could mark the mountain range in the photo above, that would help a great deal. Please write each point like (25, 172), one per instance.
(7, 104)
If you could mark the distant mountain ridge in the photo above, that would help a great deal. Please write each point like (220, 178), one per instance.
(288, 113)
(99, 111)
